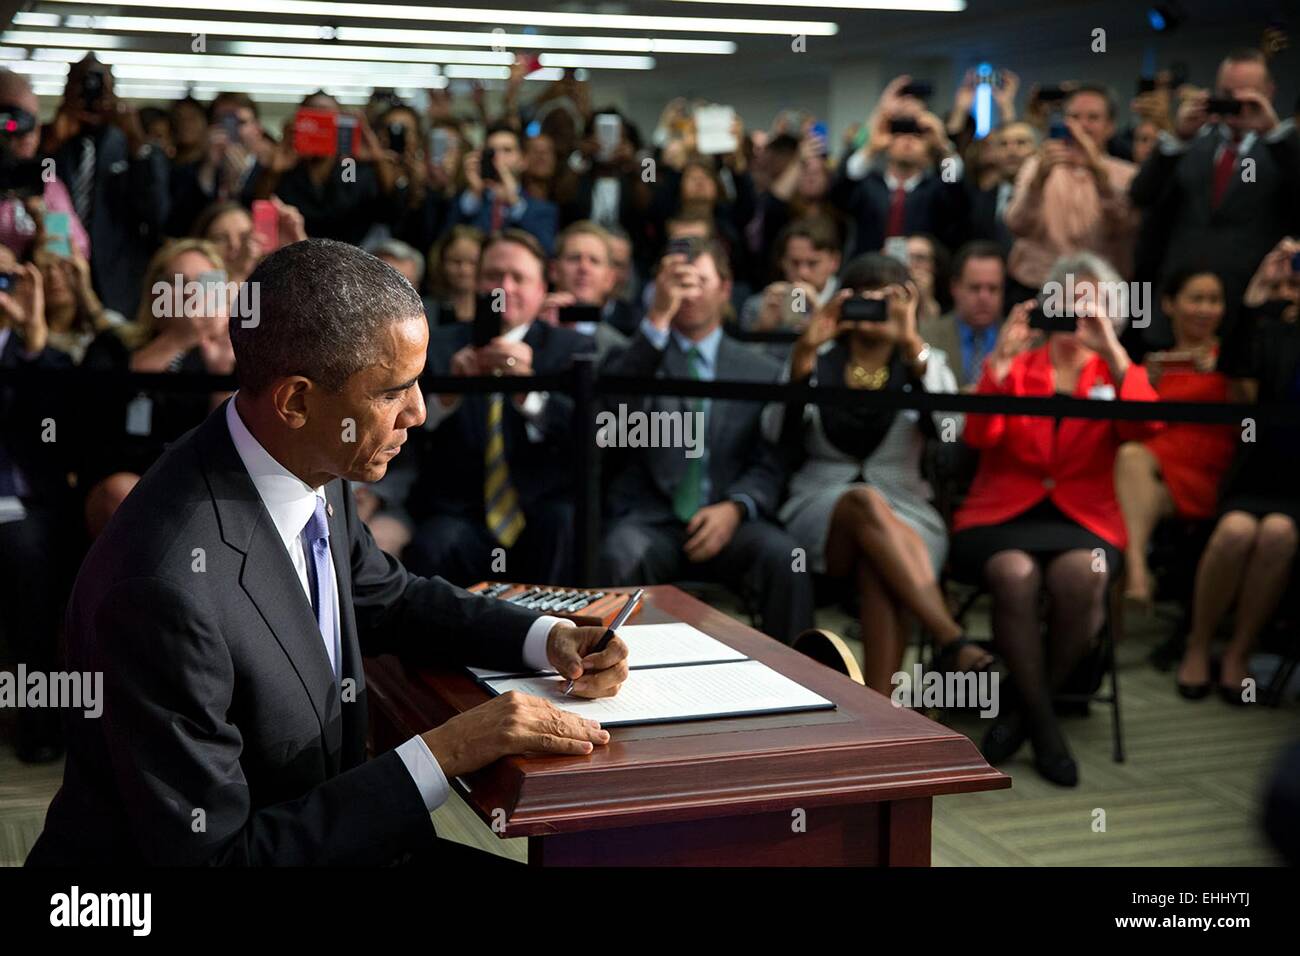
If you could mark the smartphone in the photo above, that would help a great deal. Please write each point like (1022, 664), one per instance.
(1040, 320)
(577, 313)
(682, 246)
(439, 143)
(1058, 130)
(487, 165)
(230, 123)
(397, 138)
(921, 89)
(7, 281)
(315, 132)
(58, 229)
(859, 309)
(1052, 94)
(487, 321)
(819, 129)
(1146, 84)
(1223, 106)
(608, 128)
(92, 90)
(266, 223)
(1295, 262)
(904, 125)
(347, 134)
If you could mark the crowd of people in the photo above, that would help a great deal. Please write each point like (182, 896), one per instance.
(912, 256)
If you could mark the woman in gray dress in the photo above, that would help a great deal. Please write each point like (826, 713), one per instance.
(858, 504)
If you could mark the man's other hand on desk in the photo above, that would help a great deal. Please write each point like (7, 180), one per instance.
(513, 723)
(516, 723)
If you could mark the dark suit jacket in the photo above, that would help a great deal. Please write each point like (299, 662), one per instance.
(218, 695)
(1234, 237)
(933, 206)
(131, 206)
(741, 460)
(452, 455)
(23, 410)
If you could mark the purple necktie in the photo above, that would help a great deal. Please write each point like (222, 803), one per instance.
(316, 543)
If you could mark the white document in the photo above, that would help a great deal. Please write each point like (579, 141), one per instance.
(655, 645)
(713, 132)
(692, 692)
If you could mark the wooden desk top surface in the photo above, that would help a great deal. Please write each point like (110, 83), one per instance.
(865, 750)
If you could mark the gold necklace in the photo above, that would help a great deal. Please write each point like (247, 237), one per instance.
(873, 380)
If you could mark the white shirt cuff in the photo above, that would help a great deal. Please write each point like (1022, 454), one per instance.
(424, 770)
(857, 165)
(1281, 131)
(469, 203)
(1171, 145)
(534, 652)
(658, 337)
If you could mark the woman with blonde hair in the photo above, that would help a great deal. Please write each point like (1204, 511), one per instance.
(181, 325)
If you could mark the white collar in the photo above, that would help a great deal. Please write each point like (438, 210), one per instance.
(517, 333)
(288, 499)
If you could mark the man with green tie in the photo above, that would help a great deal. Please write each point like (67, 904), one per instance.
(701, 510)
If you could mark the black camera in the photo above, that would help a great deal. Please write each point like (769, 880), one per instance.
(919, 88)
(904, 125)
(487, 166)
(397, 138)
(487, 321)
(92, 89)
(1039, 319)
(1223, 106)
(859, 309)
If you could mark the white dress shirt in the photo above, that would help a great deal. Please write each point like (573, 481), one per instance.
(290, 502)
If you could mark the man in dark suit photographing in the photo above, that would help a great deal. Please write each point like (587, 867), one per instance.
(229, 601)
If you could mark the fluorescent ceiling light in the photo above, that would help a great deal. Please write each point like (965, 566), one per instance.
(23, 19)
(83, 41)
(541, 18)
(920, 6)
(416, 72)
(334, 51)
(186, 28)
(529, 41)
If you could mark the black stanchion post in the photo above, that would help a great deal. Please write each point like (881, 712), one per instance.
(586, 537)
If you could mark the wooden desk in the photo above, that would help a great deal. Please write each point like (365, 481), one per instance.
(852, 786)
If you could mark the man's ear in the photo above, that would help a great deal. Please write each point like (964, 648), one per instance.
(289, 399)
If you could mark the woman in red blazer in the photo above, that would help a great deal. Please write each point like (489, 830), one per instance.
(1042, 512)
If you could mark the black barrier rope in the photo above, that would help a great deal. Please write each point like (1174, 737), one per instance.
(586, 386)
(78, 381)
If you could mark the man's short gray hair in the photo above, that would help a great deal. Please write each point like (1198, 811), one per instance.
(323, 307)
(1086, 266)
(396, 249)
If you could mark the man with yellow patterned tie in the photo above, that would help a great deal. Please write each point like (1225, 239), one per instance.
(495, 492)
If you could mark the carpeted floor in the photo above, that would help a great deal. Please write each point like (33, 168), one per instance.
(1188, 793)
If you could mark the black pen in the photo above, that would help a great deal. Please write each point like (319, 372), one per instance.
(618, 622)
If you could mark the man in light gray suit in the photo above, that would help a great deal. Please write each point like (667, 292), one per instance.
(968, 333)
(703, 511)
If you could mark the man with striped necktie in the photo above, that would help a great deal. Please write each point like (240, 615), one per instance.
(495, 493)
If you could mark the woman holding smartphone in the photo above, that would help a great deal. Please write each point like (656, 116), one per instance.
(858, 504)
(1041, 514)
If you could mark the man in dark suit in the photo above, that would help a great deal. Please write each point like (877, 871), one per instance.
(1227, 186)
(967, 335)
(118, 181)
(495, 492)
(35, 506)
(228, 603)
(906, 180)
(703, 511)
(493, 197)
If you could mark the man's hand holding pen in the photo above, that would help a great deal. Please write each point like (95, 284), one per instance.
(572, 652)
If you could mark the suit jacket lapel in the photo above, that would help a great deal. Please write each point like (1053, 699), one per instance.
(267, 575)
